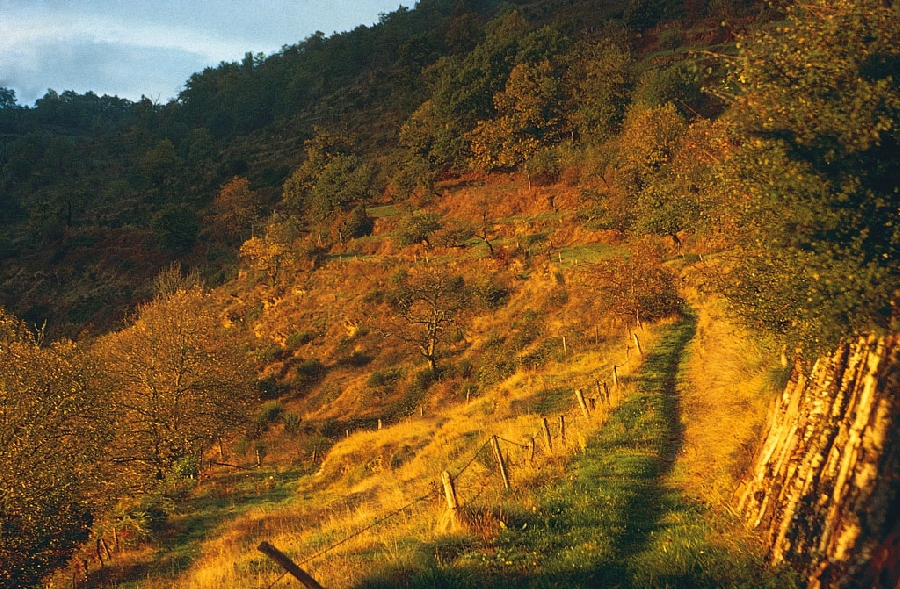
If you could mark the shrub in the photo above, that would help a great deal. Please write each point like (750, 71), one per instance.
(292, 423)
(299, 338)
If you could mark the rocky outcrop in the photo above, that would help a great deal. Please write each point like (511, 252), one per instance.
(824, 488)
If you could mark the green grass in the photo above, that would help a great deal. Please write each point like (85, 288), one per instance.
(611, 521)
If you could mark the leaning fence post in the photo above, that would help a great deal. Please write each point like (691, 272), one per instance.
(288, 565)
(450, 492)
(584, 408)
(495, 444)
(547, 437)
(637, 344)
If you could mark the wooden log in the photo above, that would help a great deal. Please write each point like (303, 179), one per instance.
(584, 408)
(495, 444)
(288, 565)
(449, 492)
(547, 437)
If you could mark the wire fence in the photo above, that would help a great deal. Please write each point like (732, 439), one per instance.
(582, 410)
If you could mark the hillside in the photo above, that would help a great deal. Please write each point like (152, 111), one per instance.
(341, 469)
(582, 245)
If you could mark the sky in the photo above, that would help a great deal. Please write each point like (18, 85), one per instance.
(130, 48)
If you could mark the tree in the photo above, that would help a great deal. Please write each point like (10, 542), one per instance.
(601, 78)
(7, 98)
(238, 206)
(815, 105)
(331, 180)
(176, 228)
(417, 227)
(178, 379)
(635, 289)
(54, 426)
(275, 250)
(429, 302)
(528, 117)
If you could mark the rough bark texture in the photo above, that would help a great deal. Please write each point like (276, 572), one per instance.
(824, 486)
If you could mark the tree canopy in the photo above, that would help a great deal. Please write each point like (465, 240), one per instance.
(814, 184)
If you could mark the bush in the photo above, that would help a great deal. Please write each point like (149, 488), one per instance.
(418, 228)
(292, 423)
(299, 338)
(358, 223)
(544, 167)
(384, 378)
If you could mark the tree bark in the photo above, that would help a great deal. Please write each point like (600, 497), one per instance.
(824, 486)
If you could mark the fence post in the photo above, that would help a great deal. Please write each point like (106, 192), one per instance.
(450, 492)
(606, 391)
(565, 348)
(495, 444)
(547, 437)
(562, 428)
(288, 565)
(379, 425)
(584, 408)
(531, 456)
(637, 344)
(615, 375)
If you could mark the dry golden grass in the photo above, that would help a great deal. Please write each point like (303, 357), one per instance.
(725, 390)
(374, 474)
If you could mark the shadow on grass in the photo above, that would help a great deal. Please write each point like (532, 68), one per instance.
(180, 538)
(612, 522)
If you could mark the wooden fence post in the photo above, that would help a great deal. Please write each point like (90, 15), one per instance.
(288, 565)
(615, 375)
(562, 428)
(584, 408)
(531, 447)
(495, 444)
(547, 437)
(637, 344)
(607, 396)
(450, 492)
(379, 425)
(565, 348)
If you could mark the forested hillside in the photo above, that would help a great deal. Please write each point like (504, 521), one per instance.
(281, 306)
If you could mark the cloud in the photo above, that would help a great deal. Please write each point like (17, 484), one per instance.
(128, 71)
(134, 47)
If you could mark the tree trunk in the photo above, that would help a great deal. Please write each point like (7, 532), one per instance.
(824, 486)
